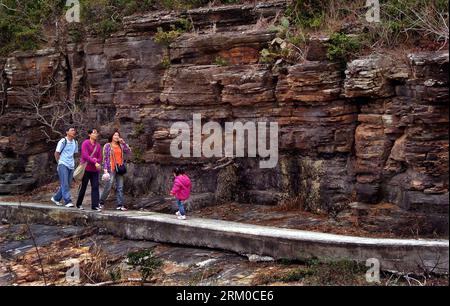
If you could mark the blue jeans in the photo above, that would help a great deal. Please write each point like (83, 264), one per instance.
(181, 207)
(119, 189)
(65, 178)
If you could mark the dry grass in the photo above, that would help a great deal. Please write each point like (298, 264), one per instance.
(291, 204)
(204, 274)
(314, 273)
(95, 270)
(402, 22)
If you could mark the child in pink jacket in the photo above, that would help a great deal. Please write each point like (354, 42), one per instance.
(181, 190)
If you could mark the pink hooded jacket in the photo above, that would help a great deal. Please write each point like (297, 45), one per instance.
(181, 187)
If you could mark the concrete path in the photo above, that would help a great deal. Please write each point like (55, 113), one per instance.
(408, 255)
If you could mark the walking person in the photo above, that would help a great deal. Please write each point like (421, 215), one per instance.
(91, 154)
(65, 150)
(181, 190)
(114, 168)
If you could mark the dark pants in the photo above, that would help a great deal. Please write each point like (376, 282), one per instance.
(93, 178)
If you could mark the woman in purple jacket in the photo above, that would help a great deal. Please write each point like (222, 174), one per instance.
(93, 160)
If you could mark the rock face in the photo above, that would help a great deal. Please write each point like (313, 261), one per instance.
(402, 140)
(377, 133)
(24, 151)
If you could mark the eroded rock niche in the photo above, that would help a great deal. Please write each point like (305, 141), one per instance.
(378, 132)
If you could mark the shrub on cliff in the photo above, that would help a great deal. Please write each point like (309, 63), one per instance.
(342, 47)
(167, 36)
(401, 21)
(288, 46)
(22, 23)
(104, 17)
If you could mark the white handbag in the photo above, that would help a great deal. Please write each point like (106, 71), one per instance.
(79, 171)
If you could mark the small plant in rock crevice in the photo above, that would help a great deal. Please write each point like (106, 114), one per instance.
(146, 263)
(289, 45)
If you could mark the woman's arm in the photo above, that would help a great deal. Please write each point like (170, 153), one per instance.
(98, 153)
(126, 148)
(85, 153)
(106, 157)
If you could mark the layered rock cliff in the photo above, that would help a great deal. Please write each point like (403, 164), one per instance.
(378, 132)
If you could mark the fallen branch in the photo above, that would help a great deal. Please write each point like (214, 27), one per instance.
(37, 249)
(224, 165)
(104, 283)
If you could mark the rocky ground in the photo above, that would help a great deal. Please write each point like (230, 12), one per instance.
(30, 253)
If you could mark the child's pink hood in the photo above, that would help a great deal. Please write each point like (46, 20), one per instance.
(182, 187)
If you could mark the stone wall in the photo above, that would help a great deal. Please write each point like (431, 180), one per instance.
(377, 133)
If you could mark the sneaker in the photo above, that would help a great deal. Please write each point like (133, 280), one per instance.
(178, 213)
(181, 217)
(81, 208)
(97, 209)
(122, 208)
(70, 205)
(56, 202)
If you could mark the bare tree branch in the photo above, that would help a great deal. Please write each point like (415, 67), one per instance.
(8, 8)
(52, 111)
(36, 247)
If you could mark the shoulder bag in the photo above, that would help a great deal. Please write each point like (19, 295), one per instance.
(79, 171)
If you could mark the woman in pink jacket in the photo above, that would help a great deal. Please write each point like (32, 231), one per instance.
(181, 190)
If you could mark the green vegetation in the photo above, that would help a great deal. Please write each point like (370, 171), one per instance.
(400, 20)
(145, 261)
(139, 129)
(165, 63)
(25, 24)
(104, 17)
(341, 47)
(22, 23)
(76, 33)
(403, 22)
(314, 272)
(21, 237)
(220, 61)
(307, 13)
(272, 54)
(167, 36)
(138, 156)
(287, 46)
(115, 274)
